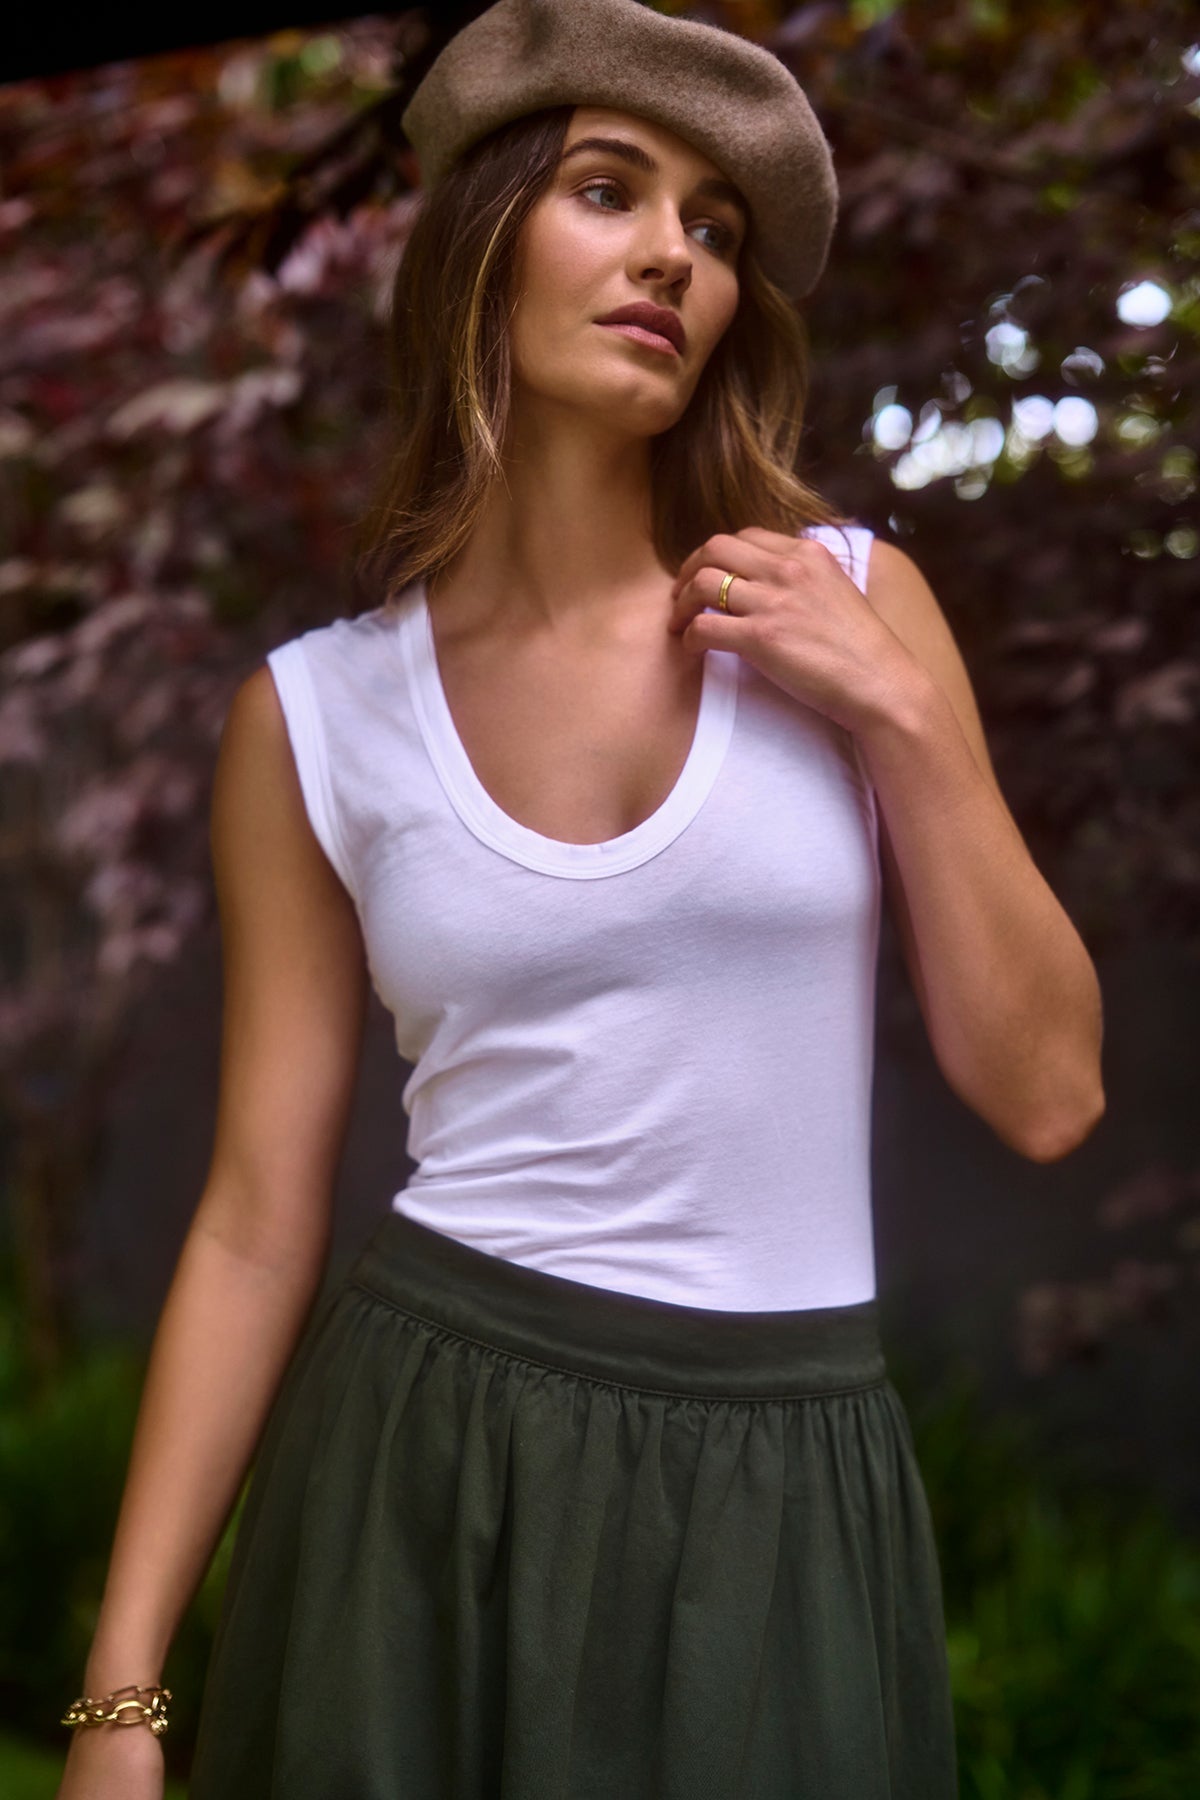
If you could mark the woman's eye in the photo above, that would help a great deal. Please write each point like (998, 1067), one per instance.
(725, 237)
(605, 187)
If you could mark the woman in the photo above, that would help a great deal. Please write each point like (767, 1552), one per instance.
(588, 1478)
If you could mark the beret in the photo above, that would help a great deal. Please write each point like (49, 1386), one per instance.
(729, 98)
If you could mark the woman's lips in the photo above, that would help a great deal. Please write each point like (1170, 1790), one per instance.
(639, 335)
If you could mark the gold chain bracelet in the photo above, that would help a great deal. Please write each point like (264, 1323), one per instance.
(113, 1711)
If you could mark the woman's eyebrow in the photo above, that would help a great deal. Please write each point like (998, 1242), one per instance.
(712, 187)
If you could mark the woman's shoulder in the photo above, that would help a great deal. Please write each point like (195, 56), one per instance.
(850, 543)
(337, 655)
(347, 630)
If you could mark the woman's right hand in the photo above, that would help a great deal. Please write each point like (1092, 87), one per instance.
(113, 1762)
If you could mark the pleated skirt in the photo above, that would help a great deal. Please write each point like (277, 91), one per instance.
(508, 1534)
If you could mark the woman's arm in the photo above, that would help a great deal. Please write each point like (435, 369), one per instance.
(295, 989)
(1009, 994)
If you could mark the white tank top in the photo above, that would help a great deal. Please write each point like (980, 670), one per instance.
(645, 1064)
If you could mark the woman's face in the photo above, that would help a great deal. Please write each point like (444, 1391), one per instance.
(612, 229)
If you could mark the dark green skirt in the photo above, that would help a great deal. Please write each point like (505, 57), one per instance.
(513, 1535)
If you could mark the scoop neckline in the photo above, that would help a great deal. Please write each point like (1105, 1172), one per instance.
(520, 843)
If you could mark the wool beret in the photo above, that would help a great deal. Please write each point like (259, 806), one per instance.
(729, 98)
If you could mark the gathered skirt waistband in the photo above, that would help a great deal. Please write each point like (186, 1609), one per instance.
(627, 1339)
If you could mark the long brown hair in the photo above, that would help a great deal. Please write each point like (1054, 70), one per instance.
(729, 461)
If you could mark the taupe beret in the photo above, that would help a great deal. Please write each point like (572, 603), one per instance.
(730, 98)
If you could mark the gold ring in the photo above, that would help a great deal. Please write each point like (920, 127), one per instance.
(722, 602)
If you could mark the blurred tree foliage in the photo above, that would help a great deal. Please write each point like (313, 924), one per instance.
(197, 251)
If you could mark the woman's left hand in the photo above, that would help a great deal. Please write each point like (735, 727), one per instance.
(797, 616)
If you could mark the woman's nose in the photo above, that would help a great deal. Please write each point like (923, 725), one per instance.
(664, 249)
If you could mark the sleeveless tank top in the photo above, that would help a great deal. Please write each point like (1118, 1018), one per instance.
(645, 1064)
